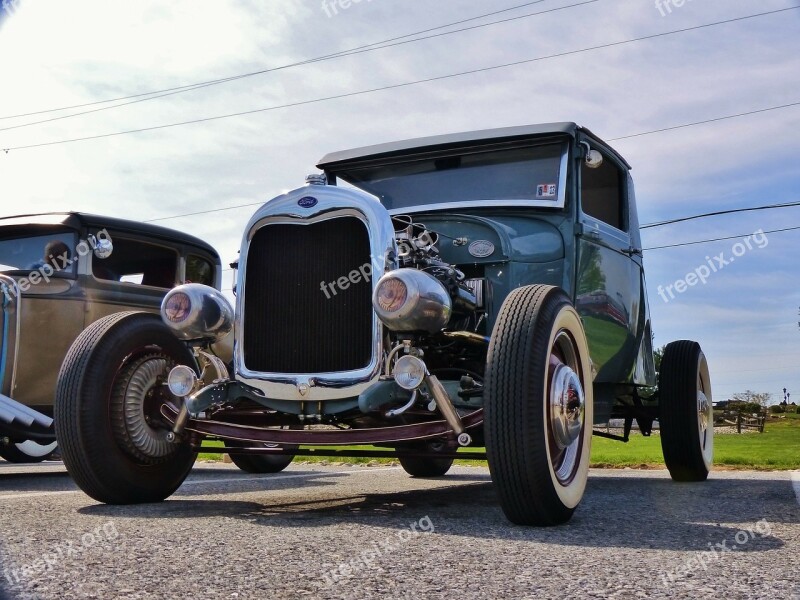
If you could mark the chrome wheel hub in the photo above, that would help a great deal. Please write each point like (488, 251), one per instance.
(703, 417)
(567, 403)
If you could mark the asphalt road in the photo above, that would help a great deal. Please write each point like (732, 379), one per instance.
(361, 532)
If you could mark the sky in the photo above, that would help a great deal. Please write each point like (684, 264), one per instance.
(58, 53)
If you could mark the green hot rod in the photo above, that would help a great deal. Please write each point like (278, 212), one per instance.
(476, 295)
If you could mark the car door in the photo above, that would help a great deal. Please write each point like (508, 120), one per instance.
(608, 287)
(136, 276)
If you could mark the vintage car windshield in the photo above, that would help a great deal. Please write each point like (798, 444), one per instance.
(35, 252)
(530, 174)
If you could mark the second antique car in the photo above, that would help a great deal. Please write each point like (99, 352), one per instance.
(475, 295)
(60, 272)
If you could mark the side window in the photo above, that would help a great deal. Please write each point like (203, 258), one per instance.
(603, 193)
(53, 255)
(139, 263)
(199, 270)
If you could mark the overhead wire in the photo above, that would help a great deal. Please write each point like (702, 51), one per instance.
(449, 76)
(350, 51)
(717, 213)
(720, 239)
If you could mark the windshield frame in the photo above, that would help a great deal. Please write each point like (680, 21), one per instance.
(420, 154)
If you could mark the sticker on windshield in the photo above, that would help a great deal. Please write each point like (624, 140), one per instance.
(546, 190)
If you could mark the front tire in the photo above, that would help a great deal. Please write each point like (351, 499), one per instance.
(112, 438)
(686, 415)
(28, 452)
(538, 412)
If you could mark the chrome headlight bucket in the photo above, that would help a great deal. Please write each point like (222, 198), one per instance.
(412, 300)
(194, 311)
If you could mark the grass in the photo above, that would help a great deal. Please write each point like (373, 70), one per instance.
(777, 448)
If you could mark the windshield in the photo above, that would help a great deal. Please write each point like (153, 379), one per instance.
(531, 174)
(35, 252)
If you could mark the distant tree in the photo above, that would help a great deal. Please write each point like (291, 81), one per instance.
(658, 355)
(760, 398)
(745, 407)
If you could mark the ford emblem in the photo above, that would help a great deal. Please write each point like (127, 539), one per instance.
(481, 248)
(307, 202)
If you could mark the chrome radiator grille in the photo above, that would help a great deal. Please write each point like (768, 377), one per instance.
(304, 313)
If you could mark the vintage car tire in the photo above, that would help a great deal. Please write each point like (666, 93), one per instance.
(538, 462)
(259, 463)
(101, 442)
(428, 466)
(425, 467)
(686, 417)
(28, 451)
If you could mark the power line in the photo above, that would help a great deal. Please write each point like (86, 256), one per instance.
(443, 77)
(718, 213)
(203, 212)
(351, 52)
(731, 237)
(356, 50)
(744, 114)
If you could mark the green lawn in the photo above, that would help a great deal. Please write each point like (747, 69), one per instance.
(777, 448)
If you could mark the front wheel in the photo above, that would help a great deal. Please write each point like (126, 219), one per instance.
(28, 451)
(112, 438)
(538, 412)
(686, 415)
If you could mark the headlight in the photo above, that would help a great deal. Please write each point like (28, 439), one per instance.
(194, 311)
(411, 300)
(409, 372)
(181, 381)
(391, 295)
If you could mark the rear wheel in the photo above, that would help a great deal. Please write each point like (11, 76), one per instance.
(112, 438)
(427, 466)
(686, 415)
(538, 413)
(260, 463)
(28, 451)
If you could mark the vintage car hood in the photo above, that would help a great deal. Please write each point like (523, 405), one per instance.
(511, 237)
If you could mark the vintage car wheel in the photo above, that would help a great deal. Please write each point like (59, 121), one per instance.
(110, 387)
(686, 415)
(428, 466)
(538, 411)
(28, 451)
(260, 463)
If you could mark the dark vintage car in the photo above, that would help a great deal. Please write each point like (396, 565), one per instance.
(482, 292)
(58, 274)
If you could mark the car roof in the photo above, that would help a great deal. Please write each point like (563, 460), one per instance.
(335, 160)
(78, 220)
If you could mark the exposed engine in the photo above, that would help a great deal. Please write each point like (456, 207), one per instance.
(454, 349)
